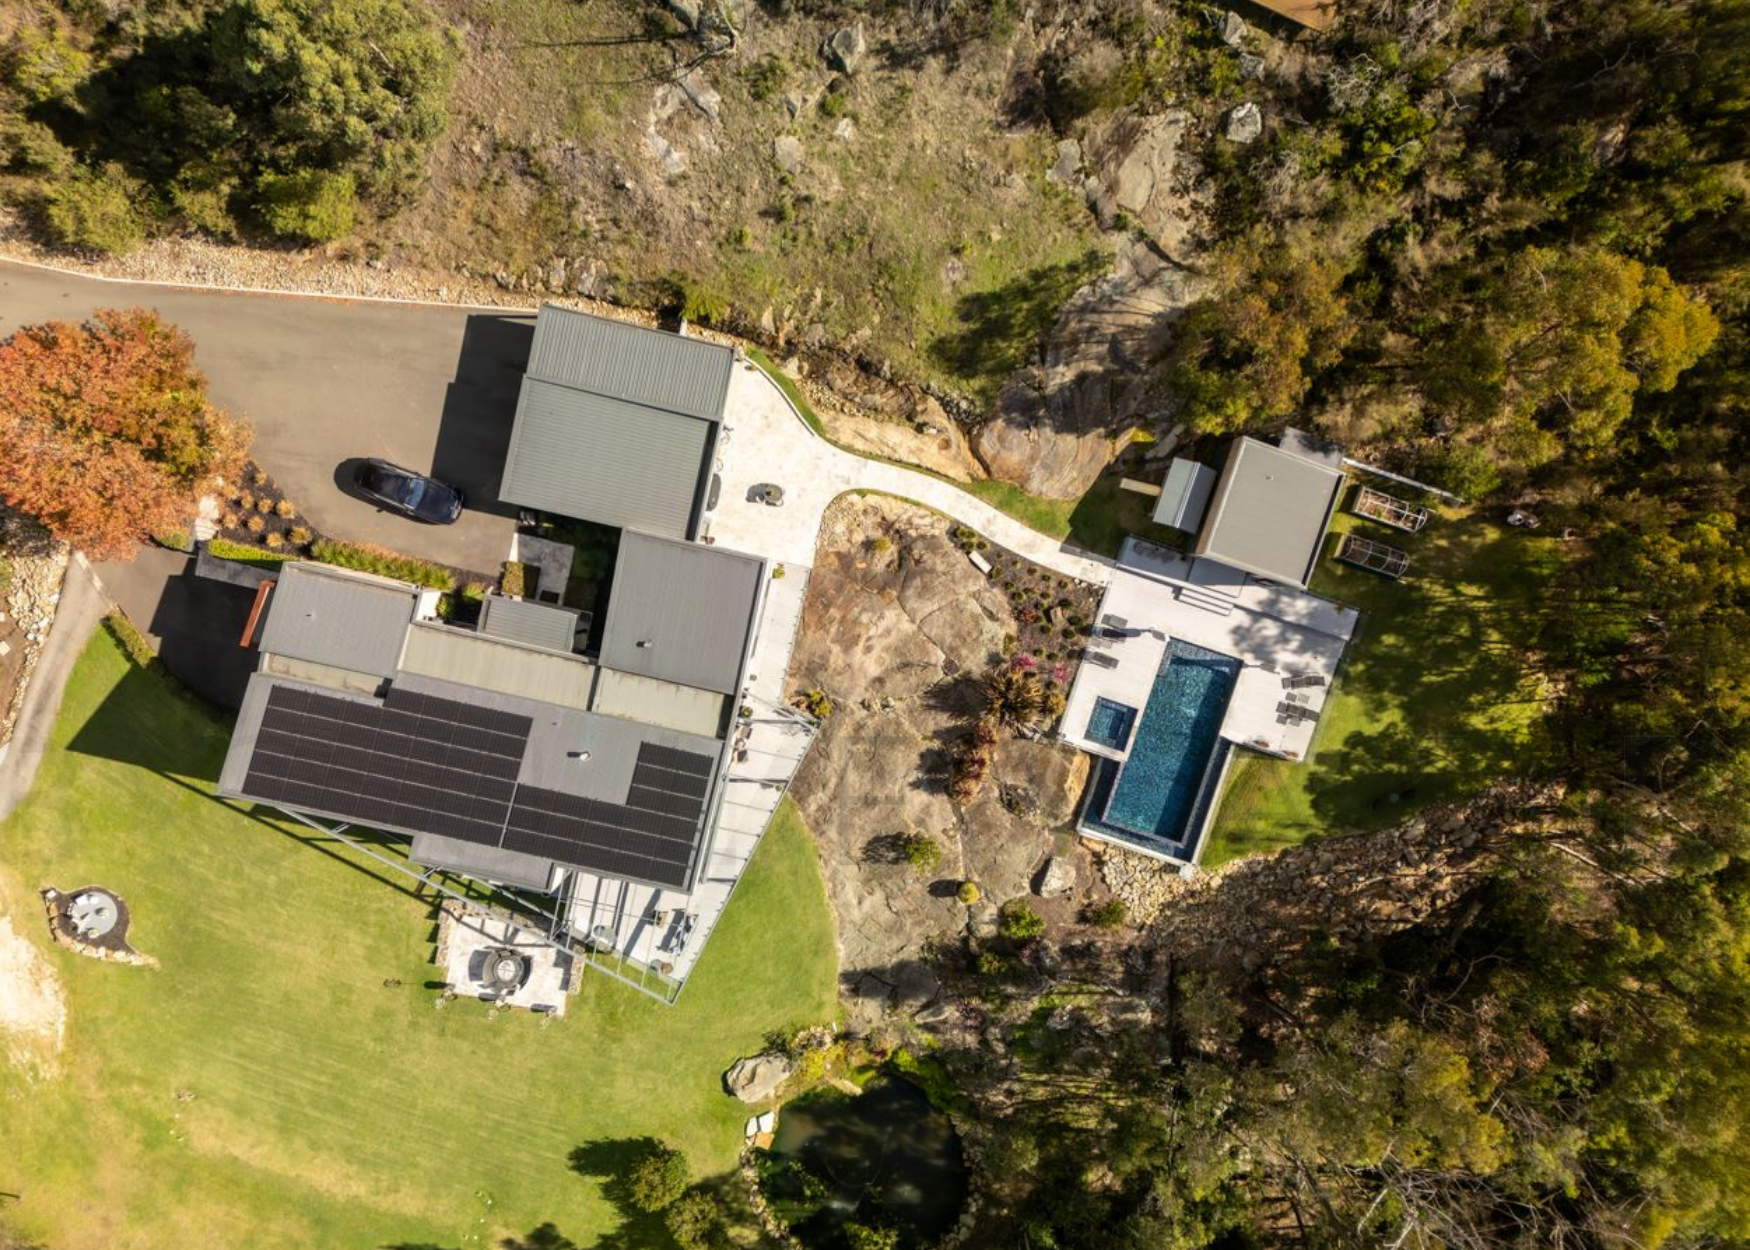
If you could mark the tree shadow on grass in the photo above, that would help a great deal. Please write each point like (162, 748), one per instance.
(1005, 328)
(610, 1160)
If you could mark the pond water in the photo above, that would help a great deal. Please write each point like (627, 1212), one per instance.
(885, 1158)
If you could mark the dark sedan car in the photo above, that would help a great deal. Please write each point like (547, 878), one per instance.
(412, 494)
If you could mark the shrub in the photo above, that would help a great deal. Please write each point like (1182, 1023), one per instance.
(1108, 915)
(264, 505)
(1013, 696)
(275, 542)
(176, 540)
(968, 893)
(370, 559)
(31, 147)
(313, 205)
(920, 851)
(777, 571)
(658, 1179)
(132, 640)
(246, 501)
(870, 1237)
(205, 208)
(247, 553)
(228, 521)
(259, 478)
(817, 703)
(298, 536)
(42, 66)
(97, 209)
(880, 544)
(286, 508)
(255, 525)
(697, 1221)
(1018, 922)
(766, 77)
(513, 580)
(703, 303)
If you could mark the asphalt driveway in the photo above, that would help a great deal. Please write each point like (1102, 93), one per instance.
(326, 381)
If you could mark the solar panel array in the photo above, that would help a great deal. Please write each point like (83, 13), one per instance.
(434, 765)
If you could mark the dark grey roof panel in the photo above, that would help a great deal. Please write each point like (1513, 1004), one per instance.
(331, 617)
(633, 363)
(525, 621)
(681, 612)
(602, 459)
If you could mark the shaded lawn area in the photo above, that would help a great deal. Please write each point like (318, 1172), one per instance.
(284, 1079)
(1437, 696)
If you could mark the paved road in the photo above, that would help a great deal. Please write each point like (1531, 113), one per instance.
(323, 380)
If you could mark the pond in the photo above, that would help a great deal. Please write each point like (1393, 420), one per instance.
(884, 1159)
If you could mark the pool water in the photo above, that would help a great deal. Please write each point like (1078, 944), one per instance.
(1109, 724)
(1159, 785)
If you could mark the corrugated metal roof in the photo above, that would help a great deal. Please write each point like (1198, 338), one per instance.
(522, 620)
(598, 458)
(681, 612)
(470, 659)
(329, 616)
(634, 363)
(1185, 495)
(1270, 511)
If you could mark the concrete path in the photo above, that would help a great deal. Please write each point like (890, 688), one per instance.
(766, 441)
(81, 607)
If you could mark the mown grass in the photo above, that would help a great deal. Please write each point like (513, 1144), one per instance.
(284, 1079)
(1437, 696)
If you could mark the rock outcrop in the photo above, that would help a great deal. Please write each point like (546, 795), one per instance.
(894, 632)
(1055, 426)
(758, 1077)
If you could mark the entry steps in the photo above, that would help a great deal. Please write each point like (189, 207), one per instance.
(1212, 586)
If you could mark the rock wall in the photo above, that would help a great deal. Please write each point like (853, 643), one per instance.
(1353, 887)
(1054, 428)
(38, 565)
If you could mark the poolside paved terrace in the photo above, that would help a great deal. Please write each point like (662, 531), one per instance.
(1276, 632)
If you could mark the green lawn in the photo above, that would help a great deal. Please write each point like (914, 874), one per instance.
(1435, 697)
(324, 1102)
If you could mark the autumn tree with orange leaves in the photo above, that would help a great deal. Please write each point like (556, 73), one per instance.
(106, 433)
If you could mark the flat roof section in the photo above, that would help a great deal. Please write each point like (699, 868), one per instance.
(616, 423)
(682, 613)
(1269, 512)
(341, 619)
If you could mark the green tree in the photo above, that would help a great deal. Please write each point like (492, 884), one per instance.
(98, 210)
(659, 1179)
(312, 205)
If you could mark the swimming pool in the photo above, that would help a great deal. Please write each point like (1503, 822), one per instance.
(1152, 796)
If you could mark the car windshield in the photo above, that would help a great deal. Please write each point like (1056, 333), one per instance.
(410, 490)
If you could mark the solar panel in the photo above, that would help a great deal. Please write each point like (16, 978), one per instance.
(421, 762)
